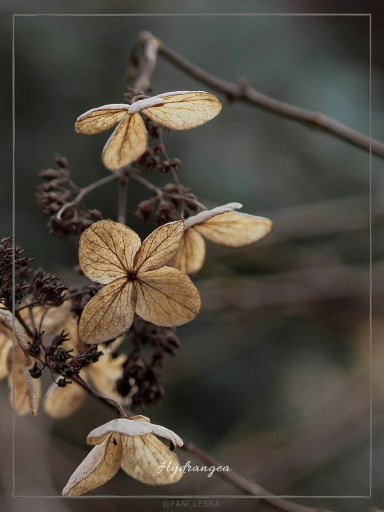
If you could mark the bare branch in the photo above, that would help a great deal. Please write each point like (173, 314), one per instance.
(241, 91)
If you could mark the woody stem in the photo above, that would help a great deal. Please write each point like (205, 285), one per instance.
(122, 198)
(108, 401)
(242, 92)
(249, 487)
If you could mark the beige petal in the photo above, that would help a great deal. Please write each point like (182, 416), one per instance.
(61, 403)
(100, 119)
(5, 350)
(234, 229)
(25, 392)
(126, 144)
(134, 426)
(100, 465)
(109, 313)
(184, 109)
(150, 461)
(190, 257)
(166, 297)
(107, 250)
(9, 324)
(105, 373)
(159, 247)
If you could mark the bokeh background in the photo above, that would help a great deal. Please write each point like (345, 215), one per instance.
(273, 377)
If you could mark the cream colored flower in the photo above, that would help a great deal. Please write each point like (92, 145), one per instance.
(136, 279)
(219, 225)
(130, 444)
(179, 110)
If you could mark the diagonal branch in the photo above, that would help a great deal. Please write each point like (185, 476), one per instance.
(242, 92)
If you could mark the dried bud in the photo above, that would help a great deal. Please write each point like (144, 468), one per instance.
(165, 213)
(35, 371)
(144, 210)
(47, 289)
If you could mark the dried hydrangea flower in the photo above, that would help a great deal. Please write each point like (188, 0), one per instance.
(132, 445)
(178, 110)
(136, 279)
(222, 226)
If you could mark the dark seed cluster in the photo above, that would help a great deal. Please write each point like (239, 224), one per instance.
(56, 197)
(140, 377)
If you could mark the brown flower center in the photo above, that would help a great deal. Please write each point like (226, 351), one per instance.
(131, 276)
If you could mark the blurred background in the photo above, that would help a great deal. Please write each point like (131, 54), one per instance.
(273, 377)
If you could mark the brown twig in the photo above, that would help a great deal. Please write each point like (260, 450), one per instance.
(122, 198)
(247, 486)
(241, 91)
(107, 401)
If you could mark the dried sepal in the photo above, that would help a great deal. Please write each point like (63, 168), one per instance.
(132, 445)
(166, 297)
(182, 110)
(5, 349)
(10, 324)
(106, 250)
(221, 225)
(235, 229)
(137, 280)
(143, 457)
(25, 391)
(179, 110)
(99, 466)
(191, 255)
(134, 426)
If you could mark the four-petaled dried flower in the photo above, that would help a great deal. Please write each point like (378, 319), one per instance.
(179, 110)
(219, 225)
(130, 444)
(136, 280)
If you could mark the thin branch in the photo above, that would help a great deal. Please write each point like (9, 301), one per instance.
(86, 190)
(247, 486)
(241, 91)
(107, 401)
(122, 198)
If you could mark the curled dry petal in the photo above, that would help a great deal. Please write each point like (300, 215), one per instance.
(10, 324)
(25, 391)
(99, 466)
(135, 426)
(144, 456)
(5, 349)
(221, 225)
(235, 229)
(191, 255)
